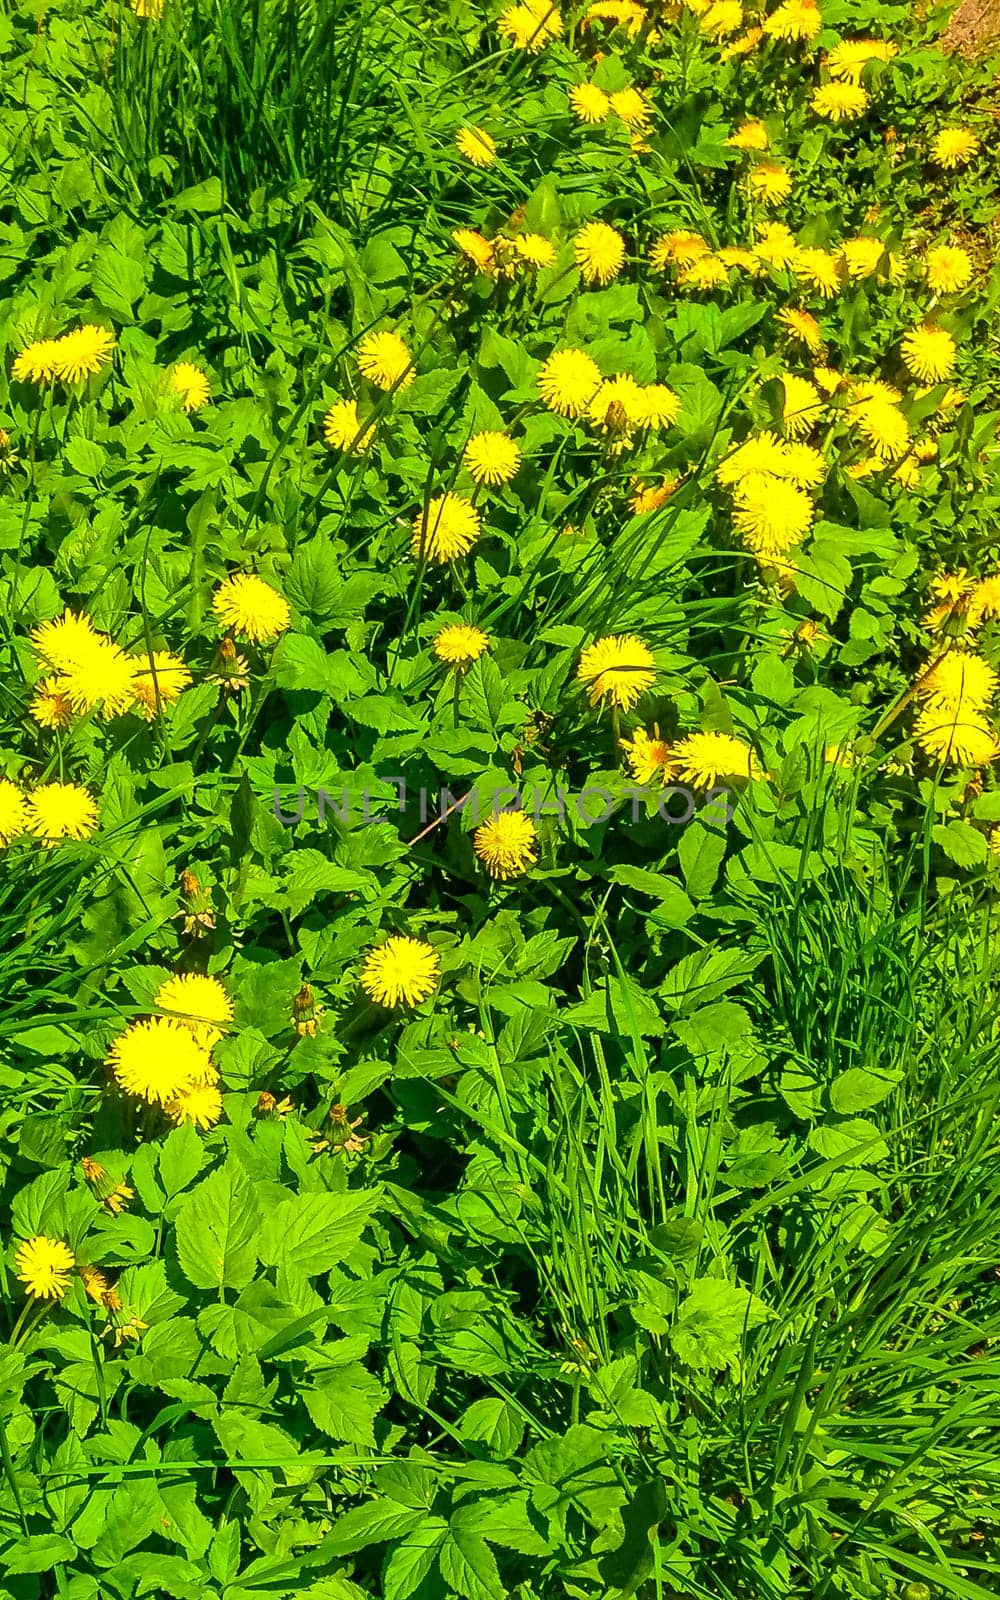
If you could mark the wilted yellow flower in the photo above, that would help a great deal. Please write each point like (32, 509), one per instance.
(505, 844)
(802, 326)
(476, 145)
(400, 972)
(619, 668)
(448, 528)
(649, 760)
(475, 248)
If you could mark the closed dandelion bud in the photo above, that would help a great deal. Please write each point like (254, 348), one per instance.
(197, 910)
(265, 1103)
(304, 1019)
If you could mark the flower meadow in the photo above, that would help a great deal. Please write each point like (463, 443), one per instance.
(499, 819)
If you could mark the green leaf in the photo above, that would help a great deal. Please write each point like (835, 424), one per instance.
(700, 853)
(39, 1553)
(467, 1562)
(372, 1523)
(313, 1232)
(712, 1321)
(411, 1561)
(182, 1156)
(858, 1088)
(674, 907)
(218, 1229)
(823, 577)
(961, 843)
(85, 457)
(346, 1405)
(617, 1006)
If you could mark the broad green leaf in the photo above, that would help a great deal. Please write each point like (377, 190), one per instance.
(313, 1232)
(218, 1228)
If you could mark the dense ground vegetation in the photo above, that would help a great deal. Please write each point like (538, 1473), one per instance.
(500, 595)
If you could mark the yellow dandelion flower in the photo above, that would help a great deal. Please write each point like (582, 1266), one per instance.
(838, 102)
(819, 269)
(61, 811)
(703, 758)
(568, 381)
(802, 407)
(505, 844)
(159, 681)
(795, 19)
(771, 515)
(44, 1266)
(948, 268)
(530, 25)
(929, 352)
(50, 705)
(200, 1105)
(749, 136)
(849, 58)
(960, 682)
(157, 1059)
(535, 250)
(400, 972)
(803, 464)
(829, 379)
(862, 256)
(803, 327)
(13, 812)
(708, 272)
(38, 362)
(83, 352)
(147, 10)
(459, 644)
(653, 496)
(745, 260)
(447, 529)
(599, 251)
(677, 249)
(963, 741)
(66, 641)
(776, 245)
(475, 248)
(744, 44)
(247, 605)
(476, 145)
(199, 1003)
(984, 599)
(343, 428)
(491, 457)
(770, 183)
(954, 147)
(631, 107)
(763, 452)
(619, 668)
(589, 103)
(722, 18)
(385, 359)
(190, 384)
(95, 1284)
(621, 13)
(657, 406)
(103, 677)
(649, 760)
(884, 427)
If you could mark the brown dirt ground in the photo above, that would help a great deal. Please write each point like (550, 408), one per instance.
(974, 28)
